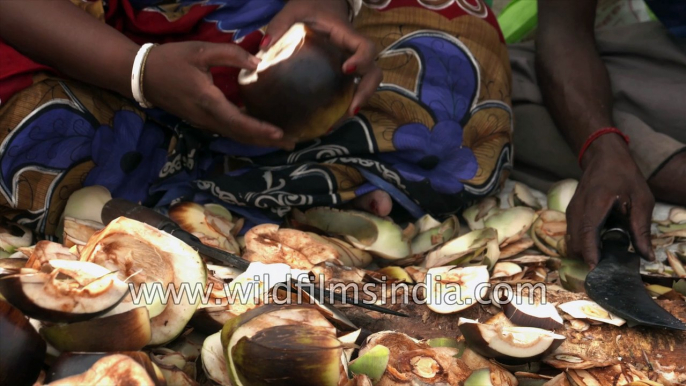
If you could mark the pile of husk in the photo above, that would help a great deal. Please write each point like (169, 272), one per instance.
(69, 315)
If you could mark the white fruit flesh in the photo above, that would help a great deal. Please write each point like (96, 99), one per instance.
(280, 51)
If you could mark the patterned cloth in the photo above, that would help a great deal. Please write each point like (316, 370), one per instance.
(436, 135)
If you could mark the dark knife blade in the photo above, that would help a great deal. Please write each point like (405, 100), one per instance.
(616, 285)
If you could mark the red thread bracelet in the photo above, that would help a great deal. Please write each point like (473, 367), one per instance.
(599, 133)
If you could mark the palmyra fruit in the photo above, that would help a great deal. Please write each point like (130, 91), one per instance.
(508, 344)
(151, 258)
(299, 84)
(451, 289)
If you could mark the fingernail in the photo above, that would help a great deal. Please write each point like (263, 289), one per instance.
(276, 135)
(350, 69)
(255, 60)
(265, 41)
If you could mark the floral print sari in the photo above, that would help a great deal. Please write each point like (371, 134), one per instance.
(436, 135)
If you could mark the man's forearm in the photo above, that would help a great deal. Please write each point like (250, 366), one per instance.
(61, 35)
(574, 81)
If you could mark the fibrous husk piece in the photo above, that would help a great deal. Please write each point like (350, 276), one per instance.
(521, 195)
(269, 244)
(563, 361)
(548, 232)
(529, 259)
(511, 224)
(44, 251)
(348, 255)
(676, 265)
(516, 247)
(476, 214)
(414, 362)
(499, 375)
(380, 237)
(433, 237)
(609, 375)
(192, 218)
(471, 248)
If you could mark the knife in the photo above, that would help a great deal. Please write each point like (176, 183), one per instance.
(118, 207)
(616, 284)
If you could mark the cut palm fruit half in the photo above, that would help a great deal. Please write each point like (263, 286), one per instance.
(192, 218)
(213, 360)
(270, 244)
(475, 247)
(13, 236)
(476, 214)
(451, 289)
(505, 269)
(509, 344)
(285, 345)
(521, 195)
(380, 237)
(511, 224)
(44, 251)
(526, 312)
(87, 203)
(433, 237)
(96, 335)
(78, 292)
(586, 309)
(560, 194)
(155, 262)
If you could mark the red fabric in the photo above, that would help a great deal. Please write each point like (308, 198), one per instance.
(16, 71)
(599, 133)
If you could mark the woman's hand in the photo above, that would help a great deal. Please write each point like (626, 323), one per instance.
(331, 18)
(611, 182)
(178, 80)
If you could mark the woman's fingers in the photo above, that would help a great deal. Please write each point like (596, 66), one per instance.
(225, 55)
(639, 225)
(365, 89)
(584, 223)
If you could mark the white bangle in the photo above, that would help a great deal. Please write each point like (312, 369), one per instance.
(137, 75)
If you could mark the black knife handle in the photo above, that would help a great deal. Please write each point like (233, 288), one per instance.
(616, 234)
(119, 207)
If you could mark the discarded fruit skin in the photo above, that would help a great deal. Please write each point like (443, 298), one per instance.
(69, 364)
(373, 363)
(560, 194)
(481, 377)
(21, 348)
(95, 335)
(306, 93)
(22, 291)
(109, 370)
